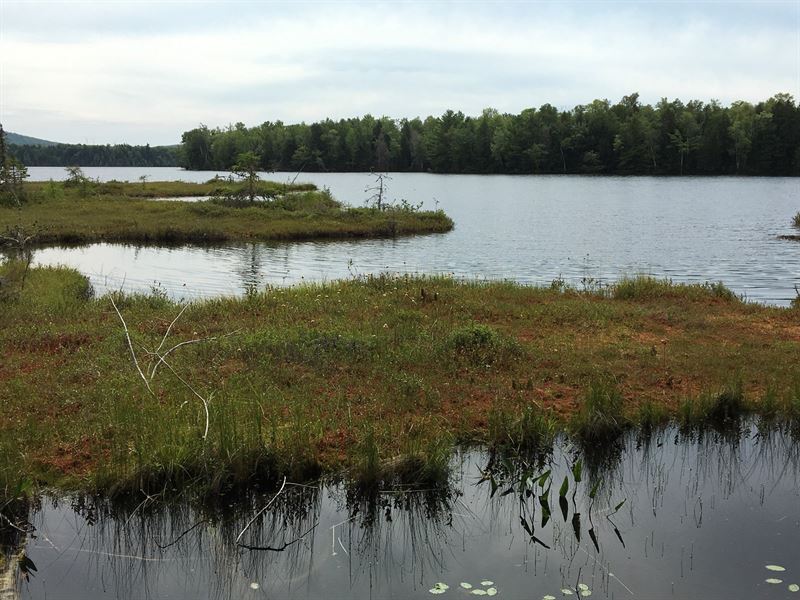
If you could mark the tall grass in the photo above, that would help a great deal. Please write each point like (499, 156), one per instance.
(600, 417)
(644, 287)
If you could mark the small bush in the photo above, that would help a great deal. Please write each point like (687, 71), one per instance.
(796, 220)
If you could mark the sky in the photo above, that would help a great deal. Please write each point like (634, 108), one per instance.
(144, 72)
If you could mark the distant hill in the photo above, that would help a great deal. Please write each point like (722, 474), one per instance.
(25, 140)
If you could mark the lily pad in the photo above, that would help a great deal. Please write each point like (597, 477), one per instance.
(583, 587)
(466, 586)
(478, 592)
(794, 587)
(491, 591)
(436, 591)
(487, 582)
(778, 568)
(586, 593)
(254, 586)
(567, 592)
(439, 588)
(548, 597)
(774, 581)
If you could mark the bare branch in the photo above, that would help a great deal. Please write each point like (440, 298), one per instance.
(166, 335)
(191, 389)
(130, 346)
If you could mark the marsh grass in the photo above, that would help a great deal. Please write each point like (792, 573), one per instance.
(530, 430)
(600, 417)
(644, 287)
(376, 378)
(123, 212)
(481, 344)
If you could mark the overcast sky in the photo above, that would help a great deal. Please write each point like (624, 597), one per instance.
(143, 72)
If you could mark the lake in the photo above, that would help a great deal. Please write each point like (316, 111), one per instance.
(673, 516)
(531, 229)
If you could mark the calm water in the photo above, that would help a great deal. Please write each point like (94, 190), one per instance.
(701, 519)
(531, 229)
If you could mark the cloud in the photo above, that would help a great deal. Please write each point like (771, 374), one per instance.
(145, 72)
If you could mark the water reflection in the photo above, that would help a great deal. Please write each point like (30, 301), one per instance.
(672, 516)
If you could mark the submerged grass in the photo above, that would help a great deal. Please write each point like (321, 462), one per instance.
(375, 377)
(56, 213)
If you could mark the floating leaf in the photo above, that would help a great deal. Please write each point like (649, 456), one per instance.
(478, 592)
(466, 586)
(794, 588)
(254, 586)
(491, 591)
(543, 478)
(618, 506)
(583, 587)
(548, 597)
(439, 588)
(436, 591)
(775, 568)
(586, 593)
(487, 582)
(567, 592)
(774, 581)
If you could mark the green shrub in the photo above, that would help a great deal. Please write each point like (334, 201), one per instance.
(796, 220)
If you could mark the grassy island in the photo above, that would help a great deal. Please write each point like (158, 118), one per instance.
(86, 212)
(375, 377)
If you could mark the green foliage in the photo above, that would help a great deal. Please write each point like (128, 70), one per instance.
(119, 155)
(796, 220)
(670, 138)
(12, 175)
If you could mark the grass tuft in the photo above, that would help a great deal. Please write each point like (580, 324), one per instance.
(644, 287)
(600, 417)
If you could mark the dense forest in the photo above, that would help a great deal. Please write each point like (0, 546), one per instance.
(120, 155)
(670, 138)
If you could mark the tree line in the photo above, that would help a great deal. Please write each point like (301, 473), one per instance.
(85, 155)
(629, 137)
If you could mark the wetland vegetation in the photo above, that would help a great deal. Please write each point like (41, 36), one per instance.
(80, 211)
(375, 378)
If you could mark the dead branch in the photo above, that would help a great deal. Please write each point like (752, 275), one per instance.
(130, 346)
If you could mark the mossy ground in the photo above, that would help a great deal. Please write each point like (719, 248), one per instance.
(363, 374)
